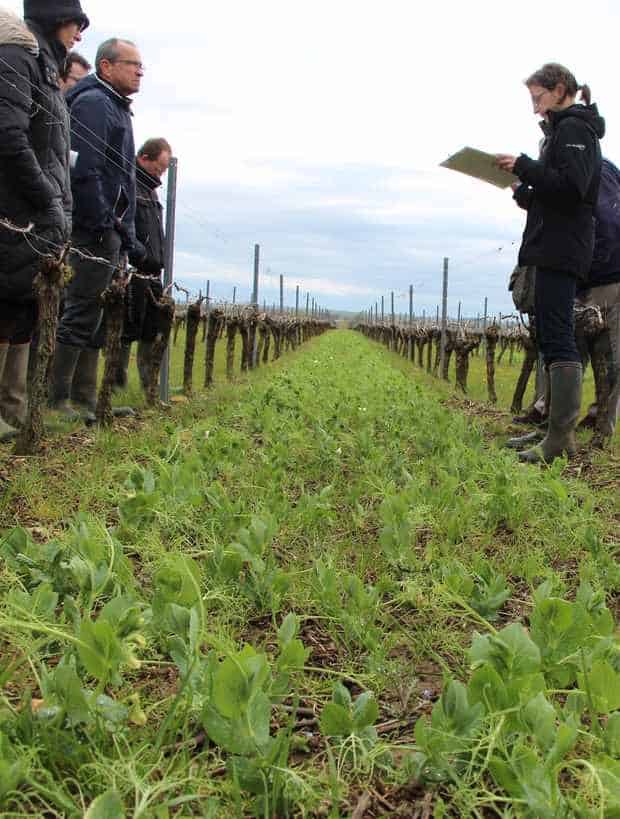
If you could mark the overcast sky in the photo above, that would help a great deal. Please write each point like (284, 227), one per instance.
(316, 129)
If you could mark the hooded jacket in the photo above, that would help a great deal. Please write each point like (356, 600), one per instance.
(104, 177)
(149, 254)
(563, 183)
(34, 153)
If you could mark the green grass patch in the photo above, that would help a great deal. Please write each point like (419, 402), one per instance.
(312, 587)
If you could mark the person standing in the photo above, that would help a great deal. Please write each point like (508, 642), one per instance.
(75, 69)
(559, 238)
(104, 194)
(34, 177)
(141, 315)
(602, 290)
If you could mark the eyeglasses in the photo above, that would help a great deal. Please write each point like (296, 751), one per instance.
(135, 63)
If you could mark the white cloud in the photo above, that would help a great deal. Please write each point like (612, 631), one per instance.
(316, 129)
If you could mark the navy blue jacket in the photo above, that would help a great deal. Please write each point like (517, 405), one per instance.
(606, 260)
(104, 178)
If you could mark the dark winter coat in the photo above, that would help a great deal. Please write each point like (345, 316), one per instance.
(34, 153)
(564, 183)
(149, 255)
(104, 176)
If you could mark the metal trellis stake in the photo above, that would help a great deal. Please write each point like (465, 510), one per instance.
(171, 206)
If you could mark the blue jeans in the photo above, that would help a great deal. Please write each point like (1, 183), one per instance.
(555, 321)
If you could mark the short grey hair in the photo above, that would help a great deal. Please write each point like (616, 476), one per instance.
(109, 50)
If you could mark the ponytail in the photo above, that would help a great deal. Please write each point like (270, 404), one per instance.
(585, 94)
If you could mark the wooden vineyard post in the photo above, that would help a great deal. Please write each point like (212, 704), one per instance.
(491, 336)
(171, 203)
(250, 350)
(529, 361)
(113, 309)
(444, 321)
(213, 327)
(48, 286)
(165, 305)
(193, 321)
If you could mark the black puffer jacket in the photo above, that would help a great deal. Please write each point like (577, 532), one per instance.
(559, 233)
(34, 153)
(149, 254)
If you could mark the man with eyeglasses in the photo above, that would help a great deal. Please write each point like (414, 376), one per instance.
(104, 207)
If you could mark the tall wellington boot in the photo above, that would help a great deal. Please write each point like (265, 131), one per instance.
(65, 362)
(566, 384)
(7, 432)
(14, 384)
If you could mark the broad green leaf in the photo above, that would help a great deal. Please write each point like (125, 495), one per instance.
(612, 734)
(106, 806)
(12, 768)
(288, 630)
(365, 711)
(223, 731)
(231, 688)
(511, 652)
(342, 696)
(608, 771)
(114, 712)
(99, 649)
(178, 581)
(540, 718)
(453, 713)
(603, 683)
(336, 721)
(565, 740)
(259, 719)
(487, 687)
(293, 657)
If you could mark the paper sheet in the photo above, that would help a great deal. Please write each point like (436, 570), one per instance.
(480, 165)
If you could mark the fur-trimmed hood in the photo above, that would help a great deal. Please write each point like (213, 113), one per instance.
(13, 31)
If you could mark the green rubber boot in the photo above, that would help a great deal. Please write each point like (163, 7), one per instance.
(7, 432)
(566, 382)
(65, 361)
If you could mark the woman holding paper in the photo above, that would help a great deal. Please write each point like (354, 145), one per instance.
(560, 192)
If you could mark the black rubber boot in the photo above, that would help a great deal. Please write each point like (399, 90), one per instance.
(122, 377)
(145, 356)
(589, 421)
(530, 416)
(65, 363)
(566, 382)
(84, 390)
(525, 441)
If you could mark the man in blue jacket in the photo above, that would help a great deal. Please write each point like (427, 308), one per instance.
(103, 183)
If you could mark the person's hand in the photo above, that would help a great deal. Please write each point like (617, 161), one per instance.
(506, 162)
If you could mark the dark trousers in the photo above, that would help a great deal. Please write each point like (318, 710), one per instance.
(555, 320)
(18, 320)
(81, 323)
(141, 321)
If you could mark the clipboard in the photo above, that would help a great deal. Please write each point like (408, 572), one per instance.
(480, 165)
